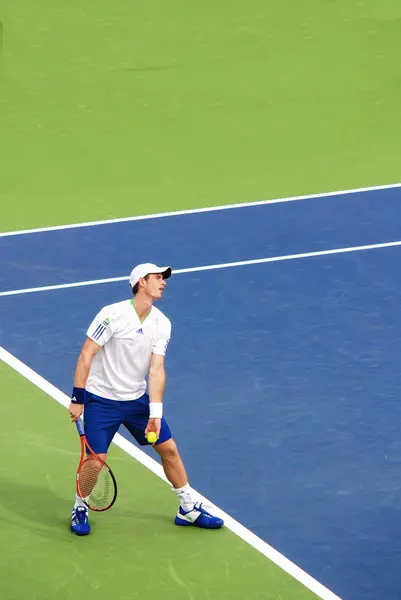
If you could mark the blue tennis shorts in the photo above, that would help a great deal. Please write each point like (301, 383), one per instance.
(103, 417)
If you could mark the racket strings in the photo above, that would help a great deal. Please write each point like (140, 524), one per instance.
(96, 484)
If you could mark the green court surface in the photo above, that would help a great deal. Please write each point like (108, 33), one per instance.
(116, 109)
(133, 551)
(112, 109)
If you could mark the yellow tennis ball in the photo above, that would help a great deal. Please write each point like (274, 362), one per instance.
(152, 437)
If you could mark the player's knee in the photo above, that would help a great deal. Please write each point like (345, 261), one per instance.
(168, 450)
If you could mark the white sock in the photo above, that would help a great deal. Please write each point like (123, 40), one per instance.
(78, 501)
(185, 496)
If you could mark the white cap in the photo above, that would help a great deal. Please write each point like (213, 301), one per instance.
(145, 269)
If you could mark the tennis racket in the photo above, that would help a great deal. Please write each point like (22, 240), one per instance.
(96, 484)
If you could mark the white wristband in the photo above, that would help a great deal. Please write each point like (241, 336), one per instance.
(155, 410)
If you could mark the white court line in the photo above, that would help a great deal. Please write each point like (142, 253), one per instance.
(241, 263)
(202, 210)
(292, 569)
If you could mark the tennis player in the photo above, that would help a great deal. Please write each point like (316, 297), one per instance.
(126, 342)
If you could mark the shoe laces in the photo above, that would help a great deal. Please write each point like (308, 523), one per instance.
(200, 507)
(81, 516)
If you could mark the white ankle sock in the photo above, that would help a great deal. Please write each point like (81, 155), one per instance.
(185, 496)
(78, 501)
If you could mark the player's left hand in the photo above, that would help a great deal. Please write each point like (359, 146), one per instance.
(153, 425)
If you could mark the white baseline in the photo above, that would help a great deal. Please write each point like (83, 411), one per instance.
(241, 263)
(241, 531)
(205, 209)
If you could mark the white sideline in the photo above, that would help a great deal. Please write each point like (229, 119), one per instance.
(240, 263)
(201, 210)
(292, 569)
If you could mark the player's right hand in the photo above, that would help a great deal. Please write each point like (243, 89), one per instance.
(75, 411)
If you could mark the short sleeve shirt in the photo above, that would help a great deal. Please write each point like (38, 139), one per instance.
(118, 371)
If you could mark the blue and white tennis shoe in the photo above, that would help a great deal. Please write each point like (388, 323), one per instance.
(80, 521)
(198, 517)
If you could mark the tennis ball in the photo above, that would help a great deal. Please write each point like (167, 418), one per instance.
(152, 437)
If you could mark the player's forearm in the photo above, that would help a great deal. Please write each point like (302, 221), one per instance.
(82, 370)
(156, 383)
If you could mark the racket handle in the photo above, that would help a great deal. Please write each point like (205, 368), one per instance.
(80, 426)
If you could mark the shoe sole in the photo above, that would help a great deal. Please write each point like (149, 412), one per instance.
(79, 533)
(182, 523)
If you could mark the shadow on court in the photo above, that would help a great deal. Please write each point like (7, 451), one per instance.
(39, 504)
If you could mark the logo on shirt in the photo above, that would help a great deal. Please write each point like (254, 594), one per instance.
(139, 330)
(100, 329)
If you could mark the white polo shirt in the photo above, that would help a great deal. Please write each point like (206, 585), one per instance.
(119, 369)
